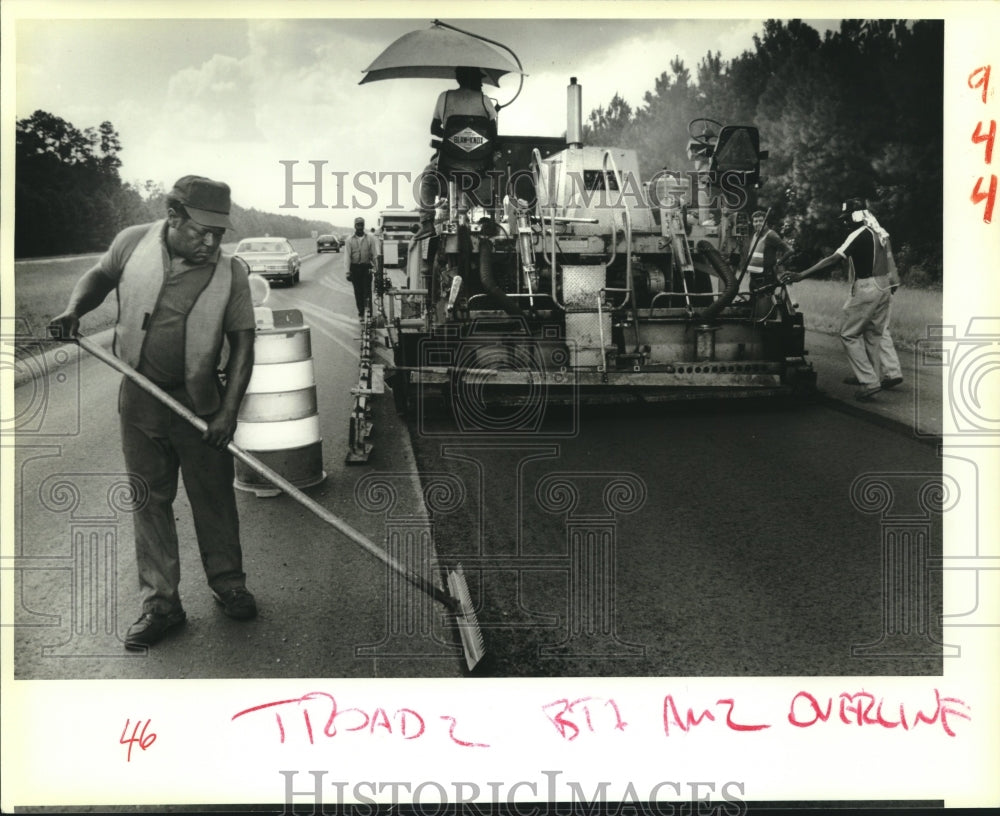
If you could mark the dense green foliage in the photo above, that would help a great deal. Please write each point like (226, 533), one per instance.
(69, 197)
(855, 113)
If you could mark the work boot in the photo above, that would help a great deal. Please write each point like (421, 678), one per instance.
(237, 603)
(867, 394)
(151, 627)
(426, 230)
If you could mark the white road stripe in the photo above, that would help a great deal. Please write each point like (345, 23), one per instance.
(334, 318)
(354, 351)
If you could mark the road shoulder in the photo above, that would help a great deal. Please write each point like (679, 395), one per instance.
(914, 407)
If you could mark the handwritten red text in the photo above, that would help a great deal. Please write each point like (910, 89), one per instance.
(672, 717)
(984, 134)
(140, 738)
(865, 709)
(571, 717)
(323, 716)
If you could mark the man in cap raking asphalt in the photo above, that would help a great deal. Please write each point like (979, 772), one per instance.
(180, 296)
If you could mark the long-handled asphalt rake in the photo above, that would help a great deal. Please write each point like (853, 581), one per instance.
(457, 599)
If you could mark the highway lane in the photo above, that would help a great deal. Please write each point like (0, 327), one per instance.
(321, 598)
(689, 540)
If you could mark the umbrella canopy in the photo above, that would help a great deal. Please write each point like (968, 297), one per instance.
(435, 53)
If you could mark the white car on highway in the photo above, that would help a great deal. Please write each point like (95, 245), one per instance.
(272, 258)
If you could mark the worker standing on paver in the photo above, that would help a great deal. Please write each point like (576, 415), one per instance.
(769, 250)
(465, 120)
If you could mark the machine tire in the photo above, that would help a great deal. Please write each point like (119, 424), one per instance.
(402, 393)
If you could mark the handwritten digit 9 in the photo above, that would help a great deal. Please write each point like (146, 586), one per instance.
(983, 82)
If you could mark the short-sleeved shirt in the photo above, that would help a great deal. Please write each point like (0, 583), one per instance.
(361, 249)
(464, 102)
(860, 248)
(163, 350)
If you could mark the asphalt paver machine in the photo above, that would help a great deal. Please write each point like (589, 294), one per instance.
(560, 274)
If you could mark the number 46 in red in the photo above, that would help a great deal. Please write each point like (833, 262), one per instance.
(989, 197)
(141, 738)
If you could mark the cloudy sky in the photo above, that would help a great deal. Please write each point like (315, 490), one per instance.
(233, 98)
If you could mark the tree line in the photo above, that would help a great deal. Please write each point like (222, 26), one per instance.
(855, 113)
(69, 197)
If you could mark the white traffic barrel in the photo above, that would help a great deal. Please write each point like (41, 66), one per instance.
(278, 421)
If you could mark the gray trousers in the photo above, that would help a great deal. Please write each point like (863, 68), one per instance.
(158, 444)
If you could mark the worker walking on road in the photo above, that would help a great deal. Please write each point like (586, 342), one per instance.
(179, 297)
(866, 312)
(361, 255)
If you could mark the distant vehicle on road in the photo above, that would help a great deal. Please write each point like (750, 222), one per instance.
(271, 257)
(327, 243)
(395, 229)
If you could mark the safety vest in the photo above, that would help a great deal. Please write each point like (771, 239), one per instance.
(880, 255)
(759, 258)
(468, 139)
(880, 260)
(365, 245)
(139, 291)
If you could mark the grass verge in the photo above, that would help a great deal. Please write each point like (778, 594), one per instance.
(42, 288)
(913, 310)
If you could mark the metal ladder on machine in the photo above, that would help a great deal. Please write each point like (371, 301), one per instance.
(371, 382)
(683, 262)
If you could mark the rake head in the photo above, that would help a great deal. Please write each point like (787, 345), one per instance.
(465, 617)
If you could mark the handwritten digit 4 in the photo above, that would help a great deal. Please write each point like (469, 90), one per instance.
(142, 739)
(989, 136)
(989, 197)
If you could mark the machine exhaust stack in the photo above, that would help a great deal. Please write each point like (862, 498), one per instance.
(574, 114)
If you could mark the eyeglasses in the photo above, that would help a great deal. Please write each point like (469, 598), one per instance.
(215, 233)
